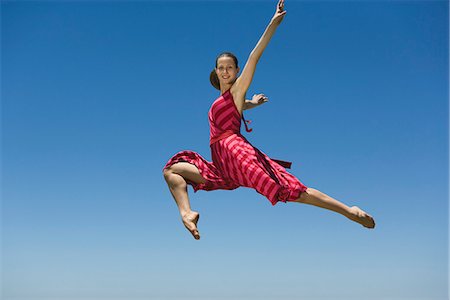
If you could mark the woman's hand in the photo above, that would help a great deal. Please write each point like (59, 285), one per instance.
(258, 99)
(279, 13)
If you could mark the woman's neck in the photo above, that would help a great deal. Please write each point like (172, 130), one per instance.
(223, 88)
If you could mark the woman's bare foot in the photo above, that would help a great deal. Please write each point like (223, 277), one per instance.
(360, 216)
(190, 220)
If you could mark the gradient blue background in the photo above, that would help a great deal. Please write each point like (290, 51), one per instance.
(97, 96)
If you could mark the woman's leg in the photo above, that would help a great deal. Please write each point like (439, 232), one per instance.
(317, 198)
(176, 176)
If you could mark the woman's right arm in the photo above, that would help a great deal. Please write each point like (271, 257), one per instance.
(244, 80)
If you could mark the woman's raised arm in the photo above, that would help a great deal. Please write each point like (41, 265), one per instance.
(244, 80)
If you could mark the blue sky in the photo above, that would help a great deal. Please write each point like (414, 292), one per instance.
(98, 95)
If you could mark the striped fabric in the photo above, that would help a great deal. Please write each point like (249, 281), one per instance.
(236, 162)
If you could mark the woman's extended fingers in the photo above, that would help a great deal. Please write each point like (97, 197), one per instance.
(280, 12)
(280, 5)
(259, 98)
(262, 99)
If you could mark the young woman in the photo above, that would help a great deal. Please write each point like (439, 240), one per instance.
(235, 161)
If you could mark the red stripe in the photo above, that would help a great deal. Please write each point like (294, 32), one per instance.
(272, 191)
(226, 116)
(228, 123)
(261, 181)
(224, 110)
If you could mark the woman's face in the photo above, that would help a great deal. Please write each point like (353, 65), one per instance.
(226, 70)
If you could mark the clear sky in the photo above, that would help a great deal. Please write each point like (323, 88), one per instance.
(98, 95)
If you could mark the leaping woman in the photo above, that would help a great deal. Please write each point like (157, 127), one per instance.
(235, 161)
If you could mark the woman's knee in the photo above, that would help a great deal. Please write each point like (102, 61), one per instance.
(172, 178)
(185, 170)
(167, 172)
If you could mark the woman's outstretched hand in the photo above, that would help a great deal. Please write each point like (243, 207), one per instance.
(279, 13)
(259, 99)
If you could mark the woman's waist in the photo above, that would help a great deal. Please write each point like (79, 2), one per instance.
(223, 135)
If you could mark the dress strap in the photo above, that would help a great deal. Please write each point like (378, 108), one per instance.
(246, 122)
(283, 163)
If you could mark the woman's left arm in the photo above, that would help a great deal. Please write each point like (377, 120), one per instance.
(257, 100)
(243, 82)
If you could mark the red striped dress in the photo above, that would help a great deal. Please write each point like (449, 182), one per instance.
(236, 162)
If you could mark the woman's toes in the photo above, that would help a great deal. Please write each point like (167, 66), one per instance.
(196, 234)
(371, 223)
(192, 228)
(190, 222)
(362, 217)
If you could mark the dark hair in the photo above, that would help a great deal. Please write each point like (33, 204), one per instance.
(213, 76)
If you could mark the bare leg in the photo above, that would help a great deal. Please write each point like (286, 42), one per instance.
(175, 177)
(354, 213)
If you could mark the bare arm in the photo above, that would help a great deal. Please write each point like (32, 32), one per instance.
(243, 82)
(248, 105)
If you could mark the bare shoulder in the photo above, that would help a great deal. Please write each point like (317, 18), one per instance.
(238, 97)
